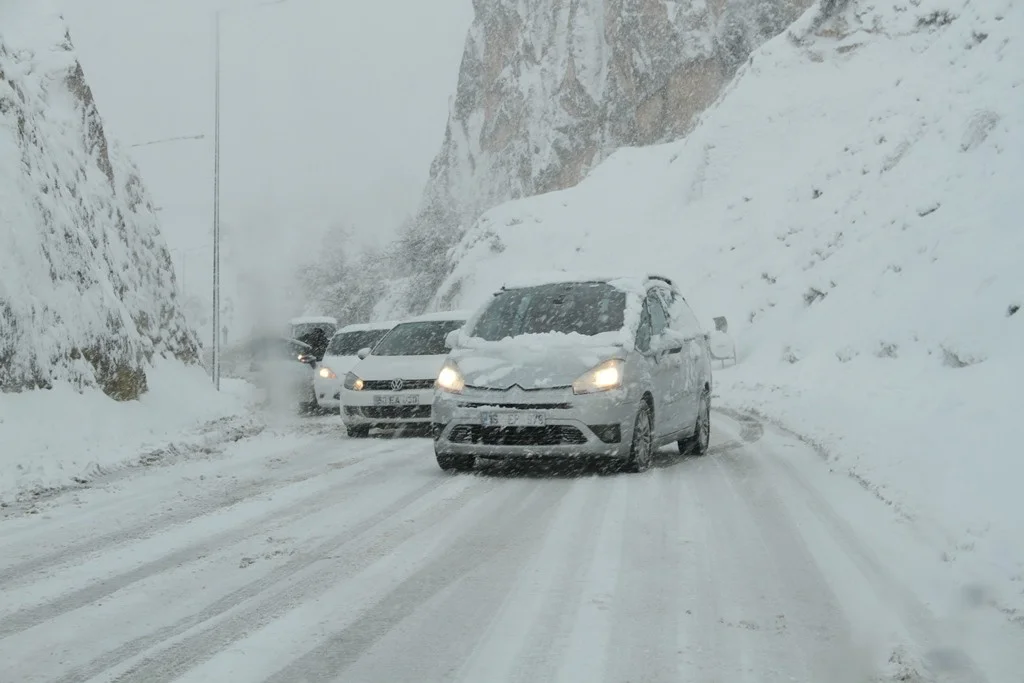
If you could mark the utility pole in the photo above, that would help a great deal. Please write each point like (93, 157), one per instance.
(215, 369)
(215, 366)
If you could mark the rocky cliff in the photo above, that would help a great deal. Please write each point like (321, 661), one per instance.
(87, 291)
(549, 88)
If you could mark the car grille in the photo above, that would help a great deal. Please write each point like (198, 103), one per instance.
(515, 406)
(551, 435)
(396, 412)
(407, 384)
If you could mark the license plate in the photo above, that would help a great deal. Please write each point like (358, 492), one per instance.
(396, 400)
(516, 419)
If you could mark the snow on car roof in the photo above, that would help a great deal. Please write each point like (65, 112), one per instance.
(440, 315)
(313, 319)
(362, 327)
(548, 278)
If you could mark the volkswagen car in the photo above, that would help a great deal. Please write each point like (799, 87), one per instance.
(608, 367)
(393, 385)
(341, 356)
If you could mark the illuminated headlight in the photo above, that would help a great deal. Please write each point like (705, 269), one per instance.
(353, 382)
(607, 375)
(450, 379)
(327, 373)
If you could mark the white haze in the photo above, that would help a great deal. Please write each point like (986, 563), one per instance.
(331, 113)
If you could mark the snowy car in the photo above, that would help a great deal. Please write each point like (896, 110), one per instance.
(393, 384)
(341, 356)
(611, 367)
(281, 367)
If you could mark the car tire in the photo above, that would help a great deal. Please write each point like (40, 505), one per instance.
(358, 431)
(698, 442)
(641, 448)
(455, 463)
(307, 408)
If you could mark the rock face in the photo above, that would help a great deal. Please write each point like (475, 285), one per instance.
(87, 291)
(549, 88)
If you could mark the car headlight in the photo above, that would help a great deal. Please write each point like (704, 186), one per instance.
(450, 379)
(353, 382)
(607, 375)
(327, 373)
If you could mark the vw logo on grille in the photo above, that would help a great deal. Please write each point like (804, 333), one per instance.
(396, 385)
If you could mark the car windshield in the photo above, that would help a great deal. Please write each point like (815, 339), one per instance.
(587, 308)
(417, 339)
(349, 343)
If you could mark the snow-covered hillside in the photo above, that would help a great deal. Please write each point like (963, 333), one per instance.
(87, 292)
(548, 88)
(852, 204)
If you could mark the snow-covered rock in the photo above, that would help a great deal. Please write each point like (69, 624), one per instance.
(548, 88)
(87, 291)
(852, 204)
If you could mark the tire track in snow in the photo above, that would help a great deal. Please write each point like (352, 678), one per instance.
(215, 502)
(945, 660)
(362, 547)
(260, 525)
(496, 543)
(532, 620)
(808, 620)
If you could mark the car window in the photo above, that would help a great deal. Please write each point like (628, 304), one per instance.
(349, 343)
(644, 331)
(686, 320)
(417, 339)
(659, 320)
(586, 308)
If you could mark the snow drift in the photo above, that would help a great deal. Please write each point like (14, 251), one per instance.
(851, 204)
(87, 291)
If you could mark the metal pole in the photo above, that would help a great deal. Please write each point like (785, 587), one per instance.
(216, 205)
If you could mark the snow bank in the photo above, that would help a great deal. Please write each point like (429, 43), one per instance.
(51, 439)
(851, 204)
(87, 291)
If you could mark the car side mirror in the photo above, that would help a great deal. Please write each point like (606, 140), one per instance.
(363, 352)
(451, 340)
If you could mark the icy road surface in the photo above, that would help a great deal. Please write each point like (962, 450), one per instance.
(301, 555)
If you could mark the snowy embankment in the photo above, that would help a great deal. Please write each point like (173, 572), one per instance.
(59, 438)
(97, 364)
(852, 205)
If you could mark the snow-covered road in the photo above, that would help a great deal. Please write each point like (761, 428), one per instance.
(301, 556)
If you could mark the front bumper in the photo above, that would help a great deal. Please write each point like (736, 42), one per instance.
(328, 392)
(359, 408)
(586, 425)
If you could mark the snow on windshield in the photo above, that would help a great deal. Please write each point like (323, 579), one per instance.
(417, 339)
(583, 308)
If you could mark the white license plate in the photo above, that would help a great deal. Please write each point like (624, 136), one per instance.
(516, 419)
(396, 400)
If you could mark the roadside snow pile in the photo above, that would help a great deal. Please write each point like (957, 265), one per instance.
(852, 205)
(87, 292)
(57, 438)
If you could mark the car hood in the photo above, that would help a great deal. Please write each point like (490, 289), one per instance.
(340, 364)
(399, 367)
(501, 366)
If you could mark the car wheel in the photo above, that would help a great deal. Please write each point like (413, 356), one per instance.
(698, 442)
(307, 408)
(358, 431)
(641, 449)
(456, 463)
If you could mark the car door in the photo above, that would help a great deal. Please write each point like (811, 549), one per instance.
(695, 359)
(671, 363)
(661, 361)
